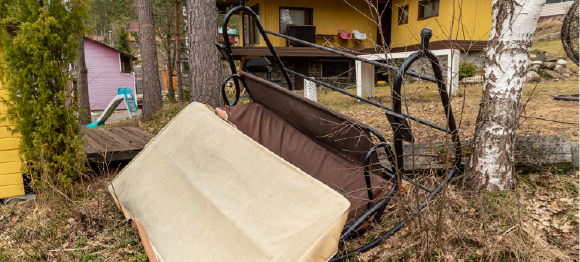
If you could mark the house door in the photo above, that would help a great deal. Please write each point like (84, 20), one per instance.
(301, 66)
(386, 10)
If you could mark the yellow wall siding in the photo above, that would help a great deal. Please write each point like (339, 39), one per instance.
(11, 191)
(10, 175)
(328, 16)
(472, 22)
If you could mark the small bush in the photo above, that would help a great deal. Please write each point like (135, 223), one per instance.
(466, 69)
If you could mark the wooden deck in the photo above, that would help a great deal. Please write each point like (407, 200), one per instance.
(114, 143)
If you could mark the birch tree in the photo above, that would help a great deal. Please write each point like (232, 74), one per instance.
(506, 57)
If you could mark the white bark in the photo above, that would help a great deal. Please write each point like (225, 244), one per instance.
(507, 57)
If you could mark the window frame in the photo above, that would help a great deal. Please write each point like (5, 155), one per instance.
(122, 63)
(252, 30)
(402, 10)
(345, 74)
(420, 6)
(308, 16)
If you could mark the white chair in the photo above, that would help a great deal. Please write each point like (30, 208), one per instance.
(358, 36)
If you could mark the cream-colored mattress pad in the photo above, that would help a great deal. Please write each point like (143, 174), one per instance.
(203, 191)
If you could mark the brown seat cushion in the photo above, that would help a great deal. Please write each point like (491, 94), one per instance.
(340, 134)
(339, 173)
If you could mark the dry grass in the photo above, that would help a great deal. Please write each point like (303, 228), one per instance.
(422, 100)
(536, 221)
(84, 226)
(159, 120)
(552, 47)
(548, 26)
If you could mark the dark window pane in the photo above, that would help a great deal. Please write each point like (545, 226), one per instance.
(428, 8)
(404, 14)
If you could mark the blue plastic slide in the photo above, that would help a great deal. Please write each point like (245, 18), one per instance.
(124, 93)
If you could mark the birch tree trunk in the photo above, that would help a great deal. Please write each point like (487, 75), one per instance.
(178, 53)
(151, 89)
(83, 85)
(204, 61)
(506, 63)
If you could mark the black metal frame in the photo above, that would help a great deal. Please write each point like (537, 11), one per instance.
(569, 33)
(395, 116)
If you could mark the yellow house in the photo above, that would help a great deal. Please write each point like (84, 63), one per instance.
(11, 183)
(463, 24)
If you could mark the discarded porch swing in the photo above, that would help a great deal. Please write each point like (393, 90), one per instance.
(246, 174)
(377, 199)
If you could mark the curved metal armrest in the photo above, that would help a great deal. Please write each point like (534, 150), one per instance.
(237, 97)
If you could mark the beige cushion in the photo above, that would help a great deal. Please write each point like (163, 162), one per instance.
(203, 191)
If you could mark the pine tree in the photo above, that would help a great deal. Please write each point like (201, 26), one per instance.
(36, 71)
(123, 41)
(151, 92)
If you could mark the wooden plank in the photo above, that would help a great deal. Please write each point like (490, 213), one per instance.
(11, 191)
(11, 179)
(112, 156)
(9, 143)
(531, 152)
(239, 51)
(139, 135)
(544, 151)
(144, 134)
(128, 141)
(3, 109)
(106, 143)
(4, 133)
(122, 143)
(90, 146)
(9, 156)
(113, 133)
(10, 167)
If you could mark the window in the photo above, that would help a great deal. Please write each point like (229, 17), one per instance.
(403, 14)
(251, 33)
(126, 65)
(335, 69)
(294, 16)
(428, 9)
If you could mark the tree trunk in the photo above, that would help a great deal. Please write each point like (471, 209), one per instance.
(151, 89)
(204, 61)
(507, 56)
(178, 53)
(83, 85)
(170, 66)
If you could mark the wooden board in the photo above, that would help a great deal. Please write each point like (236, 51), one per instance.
(9, 144)
(114, 143)
(11, 191)
(11, 179)
(9, 156)
(10, 167)
(532, 152)
(4, 132)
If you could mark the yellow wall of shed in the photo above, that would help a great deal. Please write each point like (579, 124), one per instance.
(11, 183)
(328, 16)
(472, 21)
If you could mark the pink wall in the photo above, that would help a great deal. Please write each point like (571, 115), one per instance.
(104, 75)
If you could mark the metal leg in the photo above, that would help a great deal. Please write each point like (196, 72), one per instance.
(327, 40)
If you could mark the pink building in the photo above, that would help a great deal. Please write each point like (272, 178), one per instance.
(108, 70)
